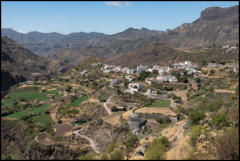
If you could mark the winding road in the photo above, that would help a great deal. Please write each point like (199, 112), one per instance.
(105, 105)
(92, 144)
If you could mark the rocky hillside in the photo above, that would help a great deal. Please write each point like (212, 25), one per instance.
(19, 64)
(153, 53)
(215, 26)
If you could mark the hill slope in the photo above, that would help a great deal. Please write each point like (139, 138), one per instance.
(215, 26)
(19, 64)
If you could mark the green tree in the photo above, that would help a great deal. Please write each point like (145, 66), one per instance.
(143, 75)
(195, 117)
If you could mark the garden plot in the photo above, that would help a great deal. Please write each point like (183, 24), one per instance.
(77, 102)
(164, 110)
(160, 103)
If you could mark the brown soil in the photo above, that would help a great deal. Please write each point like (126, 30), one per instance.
(61, 129)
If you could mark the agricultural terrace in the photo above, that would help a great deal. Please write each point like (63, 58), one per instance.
(44, 119)
(28, 112)
(77, 102)
(160, 103)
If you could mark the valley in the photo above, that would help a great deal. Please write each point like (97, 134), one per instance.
(138, 94)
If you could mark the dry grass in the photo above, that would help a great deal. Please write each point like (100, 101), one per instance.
(223, 91)
(180, 93)
(165, 111)
(127, 114)
(113, 119)
(180, 151)
(61, 129)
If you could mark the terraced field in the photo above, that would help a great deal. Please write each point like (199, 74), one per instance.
(77, 101)
(160, 103)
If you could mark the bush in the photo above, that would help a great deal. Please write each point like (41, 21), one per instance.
(117, 155)
(130, 143)
(196, 132)
(160, 120)
(87, 157)
(164, 141)
(114, 109)
(220, 120)
(227, 145)
(104, 157)
(214, 105)
(167, 120)
(157, 149)
(195, 117)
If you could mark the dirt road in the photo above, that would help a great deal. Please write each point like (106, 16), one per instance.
(92, 144)
(105, 105)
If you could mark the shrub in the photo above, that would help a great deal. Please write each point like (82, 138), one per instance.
(195, 117)
(160, 120)
(130, 143)
(87, 157)
(227, 145)
(220, 120)
(156, 149)
(117, 155)
(114, 109)
(167, 120)
(163, 140)
(196, 132)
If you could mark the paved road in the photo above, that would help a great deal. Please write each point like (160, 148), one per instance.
(92, 144)
(105, 105)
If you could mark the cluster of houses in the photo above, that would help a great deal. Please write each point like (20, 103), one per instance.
(229, 48)
(187, 65)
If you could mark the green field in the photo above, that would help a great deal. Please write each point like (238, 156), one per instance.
(160, 103)
(28, 111)
(40, 109)
(43, 119)
(77, 101)
(30, 95)
(19, 115)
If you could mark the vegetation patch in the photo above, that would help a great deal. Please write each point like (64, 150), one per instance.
(77, 102)
(40, 109)
(160, 103)
(43, 119)
(19, 115)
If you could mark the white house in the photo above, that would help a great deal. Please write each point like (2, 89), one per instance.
(226, 46)
(150, 92)
(150, 70)
(172, 79)
(83, 72)
(130, 77)
(141, 68)
(163, 70)
(133, 87)
(125, 70)
(106, 71)
(162, 78)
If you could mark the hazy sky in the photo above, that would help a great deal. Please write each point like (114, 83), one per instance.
(101, 16)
